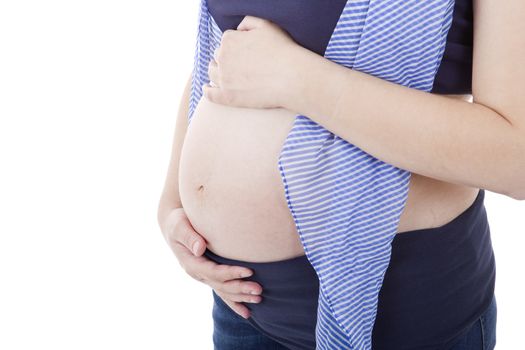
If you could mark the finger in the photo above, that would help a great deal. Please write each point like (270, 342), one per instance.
(216, 54)
(223, 272)
(192, 265)
(202, 269)
(184, 234)
(238, 308)
(186, 259)
(241, 298)
(226, 97)
(237, 286)
(213, 72)
(250, 22)
(220, 273)
(212, 93)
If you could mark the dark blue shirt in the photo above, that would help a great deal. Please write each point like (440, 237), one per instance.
(311, 23)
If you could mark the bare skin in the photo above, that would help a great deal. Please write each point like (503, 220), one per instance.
(479, 144)
(452, 147)
(233, 194)
(197, 205)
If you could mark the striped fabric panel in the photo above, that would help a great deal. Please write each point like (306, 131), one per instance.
(346, 204)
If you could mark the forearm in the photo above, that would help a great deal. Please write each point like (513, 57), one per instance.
(170, 198)
(433, 135)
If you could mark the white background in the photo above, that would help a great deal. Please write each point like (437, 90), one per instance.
(89, 92)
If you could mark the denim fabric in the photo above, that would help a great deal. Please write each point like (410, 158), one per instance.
(448, 279)
(482, 335)
(233, 332)
(289, 304)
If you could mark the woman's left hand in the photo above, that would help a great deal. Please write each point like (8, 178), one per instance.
(253, 66)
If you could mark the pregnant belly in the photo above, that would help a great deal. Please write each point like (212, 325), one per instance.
(230, 185)
(233, 195)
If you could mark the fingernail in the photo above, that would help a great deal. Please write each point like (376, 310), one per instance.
(246, 274)
(195, 247)
(254, 292)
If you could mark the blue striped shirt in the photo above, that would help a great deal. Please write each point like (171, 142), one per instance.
(346, 204)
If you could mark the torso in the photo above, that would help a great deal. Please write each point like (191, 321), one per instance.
(232, 192)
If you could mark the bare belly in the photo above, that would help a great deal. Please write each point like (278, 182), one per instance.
(232, 192)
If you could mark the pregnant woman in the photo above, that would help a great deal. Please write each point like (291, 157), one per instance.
(225, 210)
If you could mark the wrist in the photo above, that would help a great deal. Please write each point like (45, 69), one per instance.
(292, 78)
(315, 85)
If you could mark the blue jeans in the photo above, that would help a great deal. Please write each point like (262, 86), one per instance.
(232, 332)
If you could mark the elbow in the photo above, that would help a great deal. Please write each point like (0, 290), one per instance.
(517, 188)
(518, 191)
(512, 185)
(520, 196)
(516, 168)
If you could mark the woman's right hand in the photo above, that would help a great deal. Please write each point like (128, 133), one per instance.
(188, 246)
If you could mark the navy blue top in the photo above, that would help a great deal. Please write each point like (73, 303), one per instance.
(438, 283)
(311, 24)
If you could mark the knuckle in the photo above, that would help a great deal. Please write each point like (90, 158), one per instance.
(175, 243)
(238, 309)
(224, 78)
(236, 285)
(235, 274)
(219, 287)
(186, 238)
(233, 305)
(174, 233)
(216, 270)
(235, 300)
(197, 275)
(211, 69)
(227, 34)
(217, 54)
(226, 287)
(208, 95)
(186, 268)
(248, 299)
(231, 274)
(191, 271)
(222, 272)
(225, 299)
(228, 97)
(246, 288)
(171, 238)
(170, 233)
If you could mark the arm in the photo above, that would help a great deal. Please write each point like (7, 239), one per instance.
(479, 144)
(181, 237)
(170, 198)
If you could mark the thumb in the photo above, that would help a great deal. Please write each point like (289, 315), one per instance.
(199, 246)
(182, 232)
(194, 242)
(250, 22)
